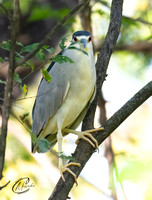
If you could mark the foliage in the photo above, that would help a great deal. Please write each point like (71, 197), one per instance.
(46, 75)
(134, 63)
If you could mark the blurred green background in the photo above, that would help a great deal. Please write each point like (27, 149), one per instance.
(130, 68)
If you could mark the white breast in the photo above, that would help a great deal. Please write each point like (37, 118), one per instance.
(82, 77)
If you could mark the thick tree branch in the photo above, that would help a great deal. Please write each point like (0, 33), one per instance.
(137, 100)
(84, 151)
(104, 57)
(52, 32)
(9, 85)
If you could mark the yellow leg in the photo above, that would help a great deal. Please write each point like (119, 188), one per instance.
(65, 168)
(94, 130)
(82, 135)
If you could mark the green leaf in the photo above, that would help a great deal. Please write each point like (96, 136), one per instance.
(45, 46)
(43, 145)
(24, 89)
(30, 48)
(62, 44)
(30, 64)
(76, 48)
(2, 82)
(51, 50)
(45, 11)
(135, 169)
(24, 116)
(34, 138)
(17, 78)
(19, 44)
(62, 59)
(5, 45)
(66, 157)
(19, 55)
(46, 75)
(1, 60)
(40, 55)
(40, 13)
(126, 21)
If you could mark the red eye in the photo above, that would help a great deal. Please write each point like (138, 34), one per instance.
(75, 39)
(89, 39)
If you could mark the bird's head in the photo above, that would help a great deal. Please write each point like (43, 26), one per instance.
(82, 40)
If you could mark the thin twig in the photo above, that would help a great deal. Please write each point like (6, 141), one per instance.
(9, 84)
(9, 15)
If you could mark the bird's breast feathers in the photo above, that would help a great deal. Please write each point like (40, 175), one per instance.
(81, 78)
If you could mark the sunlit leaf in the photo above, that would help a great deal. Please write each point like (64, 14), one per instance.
(46, 75)
(129, 22)
(62, 59)
(28, 64)
(24, 89)
(135, 169)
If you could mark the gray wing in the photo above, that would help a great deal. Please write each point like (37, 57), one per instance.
(49, 97)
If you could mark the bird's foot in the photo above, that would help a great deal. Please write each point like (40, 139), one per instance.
(91, 139)
(85, 135)
(65, 168)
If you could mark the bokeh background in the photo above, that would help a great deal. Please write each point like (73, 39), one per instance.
(128, 174)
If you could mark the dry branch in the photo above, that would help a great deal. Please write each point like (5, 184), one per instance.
(9, 84)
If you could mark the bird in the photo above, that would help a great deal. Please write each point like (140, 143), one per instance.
(61, 105)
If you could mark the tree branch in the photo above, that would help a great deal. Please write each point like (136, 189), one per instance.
(137, 100)
(84, 150)
(140, 46)
(9, 15)
(52, 32)
(9, 85)
(85, 16)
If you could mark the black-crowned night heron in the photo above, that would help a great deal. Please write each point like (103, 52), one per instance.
(61, 104)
